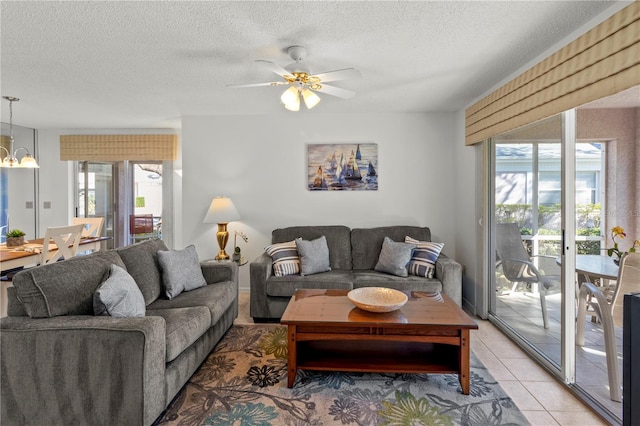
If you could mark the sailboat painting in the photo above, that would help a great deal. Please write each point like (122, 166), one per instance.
(342, 167)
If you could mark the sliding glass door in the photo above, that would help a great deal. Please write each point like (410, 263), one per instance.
(527, 286)
(96, 196)
(122, 191)
(551, 210)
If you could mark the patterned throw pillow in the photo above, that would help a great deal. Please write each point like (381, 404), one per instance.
(285, 258)
(118, 296)
(423, 260)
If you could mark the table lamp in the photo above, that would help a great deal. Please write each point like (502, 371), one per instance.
(222, 211)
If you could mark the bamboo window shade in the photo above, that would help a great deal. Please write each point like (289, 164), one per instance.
(118, 147)
(600, 63)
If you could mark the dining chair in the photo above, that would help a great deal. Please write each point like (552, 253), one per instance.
(60, 242)
(608, 306)
(92, 226)
(518, 267)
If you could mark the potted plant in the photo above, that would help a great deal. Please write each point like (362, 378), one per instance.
(15, 238)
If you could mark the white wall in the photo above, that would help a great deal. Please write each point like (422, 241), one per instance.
(260, 162)
(468, 210)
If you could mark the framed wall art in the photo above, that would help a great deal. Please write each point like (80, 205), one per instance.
(342, 167)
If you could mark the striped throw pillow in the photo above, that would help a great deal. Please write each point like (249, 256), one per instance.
(423, 260)
(285, 258)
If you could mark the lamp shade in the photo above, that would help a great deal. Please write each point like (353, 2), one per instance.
(29, 162)
(291, 99)
(221, 210)
(310, 98)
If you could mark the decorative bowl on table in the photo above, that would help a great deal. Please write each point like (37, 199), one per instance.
(377, 299)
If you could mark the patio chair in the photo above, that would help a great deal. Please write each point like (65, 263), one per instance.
(141, 227)
(608, 305)
(518, 268)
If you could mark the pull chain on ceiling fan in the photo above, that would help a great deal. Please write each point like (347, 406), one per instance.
(303, 83)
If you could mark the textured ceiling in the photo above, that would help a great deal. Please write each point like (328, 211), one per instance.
(145, 64)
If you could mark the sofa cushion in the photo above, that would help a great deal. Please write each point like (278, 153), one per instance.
(394, 257)
(118, 296)
(215, 297)
(338, 241)
(380, 279)
(142, 264)
(183, 327)
(314, 255)
(366, 243)
(63, 288)
(180, 271)
(286, 286)
(424, 257)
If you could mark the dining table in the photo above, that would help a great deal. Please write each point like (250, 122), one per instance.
(594, 266)
(29, 253)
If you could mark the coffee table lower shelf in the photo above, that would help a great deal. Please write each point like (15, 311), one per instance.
(376, 356)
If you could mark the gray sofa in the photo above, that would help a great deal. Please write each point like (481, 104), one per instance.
(353, 254)
(61, 365)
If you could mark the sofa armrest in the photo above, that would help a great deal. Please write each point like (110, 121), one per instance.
(215, 272)
(260, 271)
(449, 272)
(82, 370)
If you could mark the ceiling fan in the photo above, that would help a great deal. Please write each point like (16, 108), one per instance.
(303, 83)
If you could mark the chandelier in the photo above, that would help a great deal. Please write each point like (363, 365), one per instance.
(11, 159)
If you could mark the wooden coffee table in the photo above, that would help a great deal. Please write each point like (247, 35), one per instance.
(429, 334)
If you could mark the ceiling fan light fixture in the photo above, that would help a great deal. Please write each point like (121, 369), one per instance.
(293, 106)
(302, 83)
(290, 95)
(310, 98)
(291, 99)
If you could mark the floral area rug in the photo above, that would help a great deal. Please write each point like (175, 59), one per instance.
(244, 382)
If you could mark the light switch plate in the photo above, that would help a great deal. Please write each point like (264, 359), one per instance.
(47, 204)
(29, 205)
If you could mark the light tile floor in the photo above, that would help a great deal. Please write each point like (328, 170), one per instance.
(537, 394)
(521, 310)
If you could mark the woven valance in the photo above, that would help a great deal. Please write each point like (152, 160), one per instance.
(118, 147)
(600, 63)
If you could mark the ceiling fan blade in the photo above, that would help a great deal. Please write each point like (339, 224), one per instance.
(336, 75)
(274, 67)
(335, 91)
(273, 83)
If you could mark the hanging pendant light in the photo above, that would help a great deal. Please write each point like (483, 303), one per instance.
(11, 159)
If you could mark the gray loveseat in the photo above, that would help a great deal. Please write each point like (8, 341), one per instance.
(353, 254)
(61, 365)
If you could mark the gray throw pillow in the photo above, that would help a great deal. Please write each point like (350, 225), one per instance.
(314, 255)
(118, 296)
(394, 257)
(180, 271)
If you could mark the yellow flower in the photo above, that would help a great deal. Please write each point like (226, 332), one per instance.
(617, 231)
